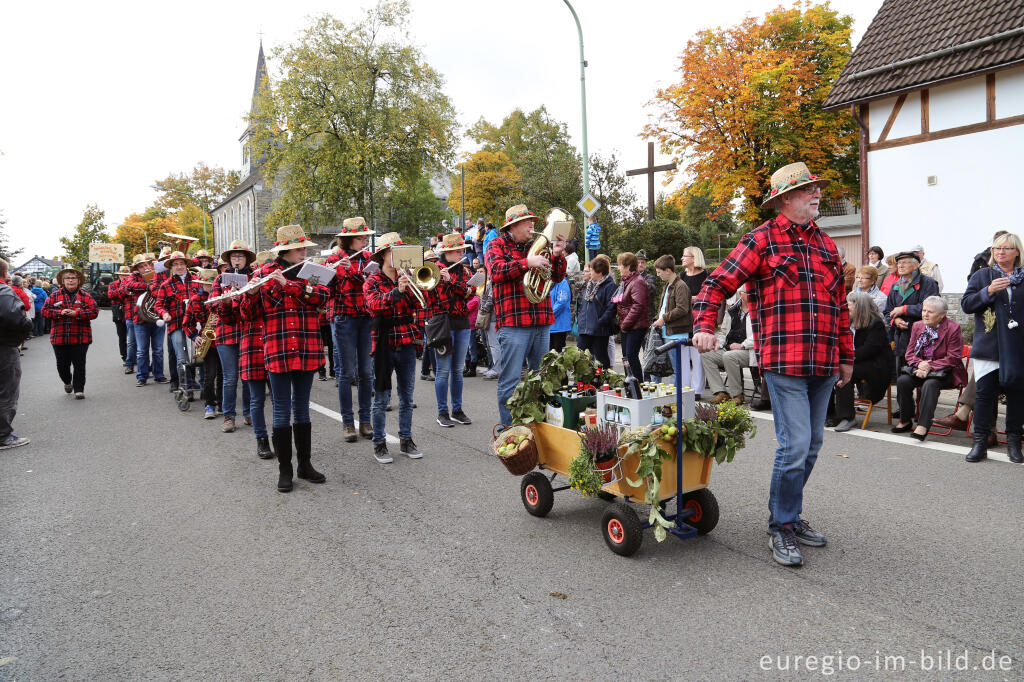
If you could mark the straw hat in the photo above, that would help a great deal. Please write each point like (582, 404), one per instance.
(355, 227)
(291, 237)
(238, 246)
(206, 276)
(165, 253)
(429, 254)
(142, 258)
(790, 177)
(123, 271)
(385, 242)
(516, 214)
(202, 253)
(177, 255)
(60, 276)
(454, 242)
(264, 257)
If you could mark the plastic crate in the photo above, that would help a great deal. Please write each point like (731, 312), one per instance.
(629, 413)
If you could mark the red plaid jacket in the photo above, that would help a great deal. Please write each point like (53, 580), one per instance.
(251, 363)
(70, 329)
(391, 307)
(291, 324)
(196, 314)
(228, 331)
(450, 297)
(347, 287)
(506, 265)
(797, 298)
(171, 296)
(131, 288)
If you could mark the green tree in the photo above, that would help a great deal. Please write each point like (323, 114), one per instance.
(356, 107)
(204, 187)
(609, 186)
(90, 229)
(749, 101)
(413, 210)
(6, 252)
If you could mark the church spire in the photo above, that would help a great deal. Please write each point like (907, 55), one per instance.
(261, 79)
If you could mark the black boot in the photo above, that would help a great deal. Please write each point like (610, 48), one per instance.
(1013, 448)
(263, 450)
(283, 447)
(980, 449)
(762, 402)
(303, 446)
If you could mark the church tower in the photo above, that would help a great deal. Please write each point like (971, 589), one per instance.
(249, 163)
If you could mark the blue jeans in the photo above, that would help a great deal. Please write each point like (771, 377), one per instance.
(449, 370)
(228, 354)
(181, 353)
(517, 344)
(352, 356)
(146, 335)
(257, 398)
(798, 406)
(130, 356)
(403, 361)
(291, 397)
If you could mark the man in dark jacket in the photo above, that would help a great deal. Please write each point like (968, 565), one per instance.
(903, 306)
(15, 327)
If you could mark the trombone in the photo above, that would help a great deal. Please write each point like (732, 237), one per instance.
(424, 278)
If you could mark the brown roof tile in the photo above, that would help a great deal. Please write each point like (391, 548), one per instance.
(905, 29)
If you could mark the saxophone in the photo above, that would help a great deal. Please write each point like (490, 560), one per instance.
(205, 339)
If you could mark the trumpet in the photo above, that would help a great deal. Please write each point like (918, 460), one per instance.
(559, 226)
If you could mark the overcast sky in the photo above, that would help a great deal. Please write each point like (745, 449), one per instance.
(102, 98)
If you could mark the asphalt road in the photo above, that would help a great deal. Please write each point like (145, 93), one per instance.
(142, 543)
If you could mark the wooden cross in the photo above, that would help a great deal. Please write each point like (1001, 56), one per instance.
(649, 171)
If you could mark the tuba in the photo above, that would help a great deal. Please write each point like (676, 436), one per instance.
(559, 225)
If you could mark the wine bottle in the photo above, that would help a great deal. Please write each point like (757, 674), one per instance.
(632, 385)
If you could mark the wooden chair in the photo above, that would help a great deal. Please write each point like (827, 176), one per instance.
(864, 402)
(934, 430)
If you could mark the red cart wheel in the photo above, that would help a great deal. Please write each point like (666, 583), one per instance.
(538, 498)
(705, 510)
(622, 529)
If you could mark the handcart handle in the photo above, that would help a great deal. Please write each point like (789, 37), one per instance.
(666, 347)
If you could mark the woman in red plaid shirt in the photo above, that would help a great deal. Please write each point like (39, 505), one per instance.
(393, 310)
(801, 326)
(449, 298)
(70, 309)
(238, 260)
(523, 327)
(292, 350)
(169, 300)
(196, 316)
(252, 367)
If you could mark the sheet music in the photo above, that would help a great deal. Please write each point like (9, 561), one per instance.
(476, 280)
(316, 274)
(159, 267)
(371, 268)
(232, 279)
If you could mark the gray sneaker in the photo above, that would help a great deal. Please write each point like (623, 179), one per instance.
(409, 449)
(784, 546)
(14, 442)
(846, 425)
(381, 454)
(444, 420)
(807, 535)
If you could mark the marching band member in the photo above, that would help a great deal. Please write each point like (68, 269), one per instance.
(120, 300)
(196, 316)
(523, 327)
(149, 336)
(238, 258)
(351, 325)
(393, 334)
(252, 368)
(449, 297)
(292, 350)
(203, 259)
(70, 308)
(170, 299)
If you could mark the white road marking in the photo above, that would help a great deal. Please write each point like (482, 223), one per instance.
(328, 412)
(902, 440)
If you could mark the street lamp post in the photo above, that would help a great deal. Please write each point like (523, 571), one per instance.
(206, 244)
(583, 108)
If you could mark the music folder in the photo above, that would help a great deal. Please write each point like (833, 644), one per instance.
(316, 274)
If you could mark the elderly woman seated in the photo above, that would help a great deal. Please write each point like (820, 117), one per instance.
(934, 361)
(872, 357)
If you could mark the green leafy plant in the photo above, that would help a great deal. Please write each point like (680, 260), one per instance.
(583, 474)
(718, 430)
(536, 390)
(641, 442)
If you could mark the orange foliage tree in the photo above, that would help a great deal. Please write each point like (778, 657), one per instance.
(749, 101)
(492, 181)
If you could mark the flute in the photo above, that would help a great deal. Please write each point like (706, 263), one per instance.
(256, 284)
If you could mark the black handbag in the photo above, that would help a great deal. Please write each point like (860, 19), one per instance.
(438, 332)
(934, 374)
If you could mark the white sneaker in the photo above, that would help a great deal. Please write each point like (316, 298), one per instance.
(14, 442)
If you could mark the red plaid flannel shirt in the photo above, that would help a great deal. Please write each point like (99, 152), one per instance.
(506, 265)
(228, 331)
(196, 314)
(450, 297)
(131, 288)
(384, 300)
(347, 286)
(251, 363)
(70, 329)
(797, 298)
(291, 323)
(170, 297)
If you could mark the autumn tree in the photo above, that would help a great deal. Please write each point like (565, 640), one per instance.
(204, 187)
(152, 222)
(90, 229)
(356, 107)
(749, 101)
(6, 252)
(492, 184)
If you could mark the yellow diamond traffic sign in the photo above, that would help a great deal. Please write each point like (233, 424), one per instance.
(588, 204)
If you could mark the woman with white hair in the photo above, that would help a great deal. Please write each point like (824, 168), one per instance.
(872, 357)
(934, 361)
(995, 295)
